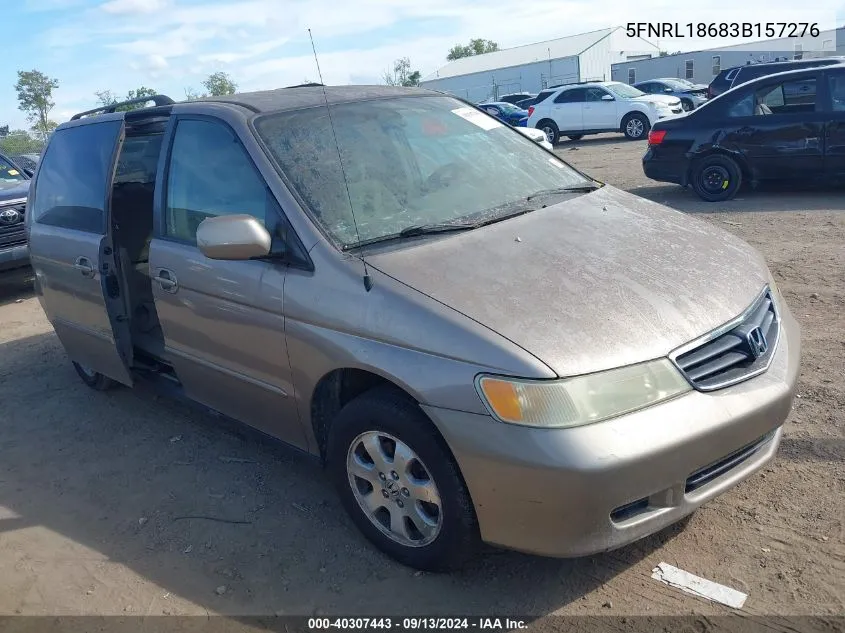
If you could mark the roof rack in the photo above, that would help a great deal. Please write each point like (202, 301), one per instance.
(159, 100)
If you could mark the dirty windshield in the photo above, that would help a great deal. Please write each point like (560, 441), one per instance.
(409, 162)
(9, 173)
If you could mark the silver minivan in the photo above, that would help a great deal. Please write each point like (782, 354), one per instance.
(481, 343)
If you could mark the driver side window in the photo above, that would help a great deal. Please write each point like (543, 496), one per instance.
(210, 174)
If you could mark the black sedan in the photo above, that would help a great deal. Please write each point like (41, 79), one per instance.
(788, 126)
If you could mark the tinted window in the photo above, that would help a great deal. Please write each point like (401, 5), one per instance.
(780, 98)
(138, 160)
(210, 174)
(837, 91)
(10, 172)
(576, 95)
(75, 173)
(545, 94)
(647, 87)
(406, 161)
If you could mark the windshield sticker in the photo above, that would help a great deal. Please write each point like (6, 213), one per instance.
(477, 118)
(12, 172)
(557, 163)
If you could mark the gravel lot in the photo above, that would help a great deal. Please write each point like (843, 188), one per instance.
(95, 488)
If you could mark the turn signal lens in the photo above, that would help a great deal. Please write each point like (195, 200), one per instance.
(582, 399)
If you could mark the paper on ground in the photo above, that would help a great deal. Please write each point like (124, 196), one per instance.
(701, 587)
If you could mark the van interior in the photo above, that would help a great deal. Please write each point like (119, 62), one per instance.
(131, 226)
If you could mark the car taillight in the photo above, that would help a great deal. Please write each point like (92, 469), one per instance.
(655, 137)
(530, 110)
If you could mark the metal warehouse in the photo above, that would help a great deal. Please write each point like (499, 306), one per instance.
(530, 68)
(701, 66)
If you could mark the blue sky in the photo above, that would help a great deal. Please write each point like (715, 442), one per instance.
(171, 45)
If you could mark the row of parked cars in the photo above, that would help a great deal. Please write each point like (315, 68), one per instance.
(15, 175)
(771, 121)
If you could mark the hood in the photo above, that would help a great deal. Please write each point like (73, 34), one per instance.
(602, 280)
(14, 190)
(667, 99)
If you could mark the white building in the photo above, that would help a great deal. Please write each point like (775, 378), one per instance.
(530, 68)
(701, 66)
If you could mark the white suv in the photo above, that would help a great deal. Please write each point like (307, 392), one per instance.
(603, 106)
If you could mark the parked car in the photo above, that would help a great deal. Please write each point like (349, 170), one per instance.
(597, 107)
(14, 187)
(538, 136)
(506, 113)
(28, 161)
(691, 96)
(479, 341)
(738, 75)
(515, 97)
(785, 126)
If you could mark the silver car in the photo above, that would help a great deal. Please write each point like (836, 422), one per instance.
(479, 341)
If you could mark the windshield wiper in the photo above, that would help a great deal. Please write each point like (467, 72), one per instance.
(428, 229)
(571, 189)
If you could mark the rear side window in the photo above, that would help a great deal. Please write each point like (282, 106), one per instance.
(576, 95)
(74, 177)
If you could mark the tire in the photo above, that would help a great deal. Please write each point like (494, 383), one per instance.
(635, 126)
(687, 105)
(383, 418)
(550, 129)
(716, 178)
(574, 137)
(94, 379)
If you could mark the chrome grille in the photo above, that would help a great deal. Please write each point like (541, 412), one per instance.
(735, 352)
(11, 234)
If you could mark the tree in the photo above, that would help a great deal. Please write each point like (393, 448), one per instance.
(35, 97)
(107, 98)
(219, 84)
(192, 95)
(475, 47)
(19, 142)
(402, 75)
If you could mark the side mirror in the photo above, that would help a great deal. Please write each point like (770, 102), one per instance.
(28, 172)
(606, 98)
(233, 237)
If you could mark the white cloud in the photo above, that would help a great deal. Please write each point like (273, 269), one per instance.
(123, 7)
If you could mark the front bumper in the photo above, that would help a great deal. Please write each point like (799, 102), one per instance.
(14, 257)
(553, 491)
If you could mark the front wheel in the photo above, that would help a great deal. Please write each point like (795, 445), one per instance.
(716, 178)
(635, 126)
(399, 483)
(92, 378)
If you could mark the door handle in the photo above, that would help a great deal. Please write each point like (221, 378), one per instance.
(83, 265)
(812, 142)
(166, 280)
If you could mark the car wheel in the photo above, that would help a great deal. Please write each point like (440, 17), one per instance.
(575, 137)
(716, 178)
(93, 379)
(635, 126)
(399, 482)
(686, 104)
(550, 129)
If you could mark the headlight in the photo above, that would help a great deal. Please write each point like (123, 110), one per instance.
(583, 399)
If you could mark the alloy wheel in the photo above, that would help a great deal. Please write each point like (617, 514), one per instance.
(394, 489)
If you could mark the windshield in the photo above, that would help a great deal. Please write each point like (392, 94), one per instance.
(624, 91)
(677, 84)
(509, 108)
(408, 161)
(10, 173)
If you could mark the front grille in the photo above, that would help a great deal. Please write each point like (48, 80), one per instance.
(12, 234)
(705, 475)
(735, 352)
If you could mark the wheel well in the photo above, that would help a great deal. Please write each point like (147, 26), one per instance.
(332, 393)
(546, 120)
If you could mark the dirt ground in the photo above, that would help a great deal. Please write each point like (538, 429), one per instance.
(95, 488)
